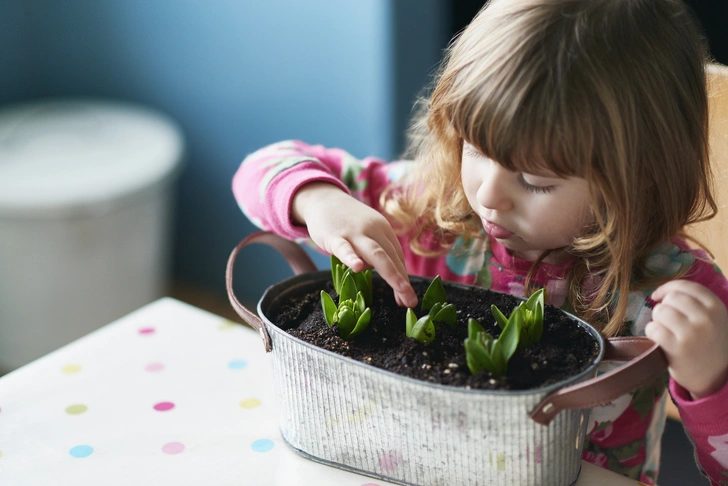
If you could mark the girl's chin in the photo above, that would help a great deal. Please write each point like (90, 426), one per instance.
(530, 256)
(520, 249)
(555, 257)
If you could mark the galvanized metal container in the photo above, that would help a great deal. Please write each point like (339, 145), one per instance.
(353, 416)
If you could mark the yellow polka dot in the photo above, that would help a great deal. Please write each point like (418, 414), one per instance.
(69, 369)
(501, 461)
(1, 453)
(226, 325)
(250, 403)
(76, 409)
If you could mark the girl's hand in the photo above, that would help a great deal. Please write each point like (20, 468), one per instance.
(357, 234)
(691, 326)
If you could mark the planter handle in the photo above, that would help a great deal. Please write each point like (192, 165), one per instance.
(296, 257)
(646, 362)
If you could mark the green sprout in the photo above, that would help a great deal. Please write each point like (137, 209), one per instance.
(337, 273)
(422, 330)
(434, 294)
(482, 351)
(362, 280)
(434, 301)
(523, 328)
(530, 314)
(352, 314)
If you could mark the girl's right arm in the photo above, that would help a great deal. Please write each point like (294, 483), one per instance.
(297, 191)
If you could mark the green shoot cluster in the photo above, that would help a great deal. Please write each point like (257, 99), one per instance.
(434, 301)
(354, 289)
(521, 329)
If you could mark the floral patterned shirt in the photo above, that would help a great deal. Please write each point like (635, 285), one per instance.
(625, 434)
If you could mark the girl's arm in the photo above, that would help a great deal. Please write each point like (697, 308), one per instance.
(297, 191)
(690, 322)
(706, 421)
(267, 181)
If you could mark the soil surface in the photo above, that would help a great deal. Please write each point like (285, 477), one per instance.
(565, 348)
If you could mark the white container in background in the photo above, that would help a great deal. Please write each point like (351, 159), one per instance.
(86, 196)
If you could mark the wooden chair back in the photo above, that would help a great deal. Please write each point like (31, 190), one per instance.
(714, 233)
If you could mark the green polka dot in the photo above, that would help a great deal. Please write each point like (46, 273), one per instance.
(70, 369)
(250, 403)
(76, 409)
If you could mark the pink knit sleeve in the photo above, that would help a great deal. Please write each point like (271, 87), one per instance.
(706, 420)
(267, 180)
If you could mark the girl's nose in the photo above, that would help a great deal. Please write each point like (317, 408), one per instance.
(495, 191)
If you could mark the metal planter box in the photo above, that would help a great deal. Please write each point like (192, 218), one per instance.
(353, 416)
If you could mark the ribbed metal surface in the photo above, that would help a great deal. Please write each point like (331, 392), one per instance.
(353, 416)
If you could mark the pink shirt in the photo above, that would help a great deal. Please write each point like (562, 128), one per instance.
(624, 435)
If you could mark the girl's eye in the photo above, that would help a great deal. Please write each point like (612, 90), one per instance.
(532, 188)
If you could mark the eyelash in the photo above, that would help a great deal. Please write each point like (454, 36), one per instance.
(472, 153)
(532, 188)
(521, 180)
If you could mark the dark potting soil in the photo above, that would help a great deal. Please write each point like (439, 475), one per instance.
(565, 348)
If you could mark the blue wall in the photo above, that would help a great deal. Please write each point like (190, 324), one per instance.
(16, 63)
(235, 74)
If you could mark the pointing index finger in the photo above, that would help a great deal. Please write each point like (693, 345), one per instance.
(395, 275)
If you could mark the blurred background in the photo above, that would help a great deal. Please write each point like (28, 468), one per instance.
(227, 76)
(230, 76)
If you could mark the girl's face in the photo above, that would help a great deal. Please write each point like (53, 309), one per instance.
(526, 213)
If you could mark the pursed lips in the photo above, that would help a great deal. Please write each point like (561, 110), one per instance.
(496, 231)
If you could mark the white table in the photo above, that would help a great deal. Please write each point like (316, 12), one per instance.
(169, 395)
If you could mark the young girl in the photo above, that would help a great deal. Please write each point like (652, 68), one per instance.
(564, 146)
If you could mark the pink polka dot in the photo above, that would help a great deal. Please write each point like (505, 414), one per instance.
(163, 406)
(146, 330)
(390, 461)
(173, 448)
(154, 367)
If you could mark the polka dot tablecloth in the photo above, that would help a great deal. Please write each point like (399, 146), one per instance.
(169, 395)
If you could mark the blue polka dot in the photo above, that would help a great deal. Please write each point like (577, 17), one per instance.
(262, 445)
(238, 364)
(81, 451)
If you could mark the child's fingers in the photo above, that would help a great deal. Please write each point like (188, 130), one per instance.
(662, 335)
(384, 258)
(394, 252)
(702, 309)
(694, 289)
(674, 319)
(397, 247)
(408, 298)
(690, 307)
(367, 253)
(666, 288)
(344, 251)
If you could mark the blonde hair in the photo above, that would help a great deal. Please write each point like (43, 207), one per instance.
(612, 91)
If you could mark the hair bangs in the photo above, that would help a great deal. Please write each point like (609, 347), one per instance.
(529, 112)
(534, 140)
